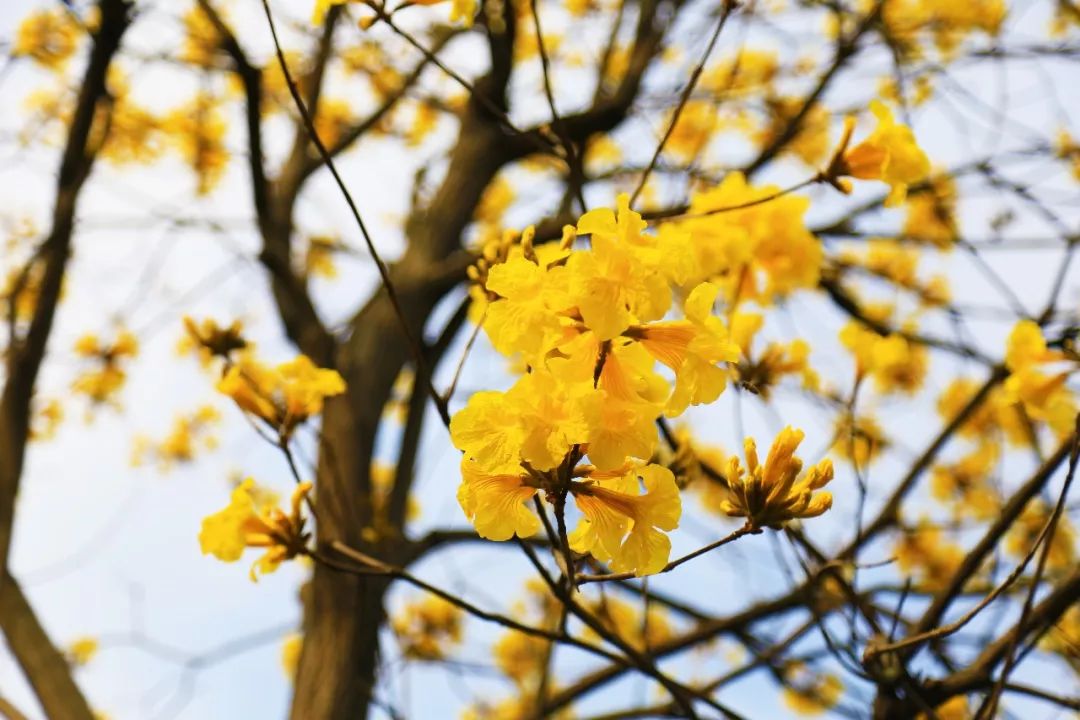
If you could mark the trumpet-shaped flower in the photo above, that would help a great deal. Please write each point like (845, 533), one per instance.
(524, 319)
(1043, 396)
(537, 421)
(624, 527)
(495, 501)
(241, 524)
(692, 348)
(609, 285)
(889, 154)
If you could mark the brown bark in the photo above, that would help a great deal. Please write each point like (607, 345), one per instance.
(43, 665)
(343, 613)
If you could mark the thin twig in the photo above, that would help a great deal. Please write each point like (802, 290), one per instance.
(384, 273)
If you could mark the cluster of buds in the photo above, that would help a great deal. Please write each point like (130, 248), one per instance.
(498, 250)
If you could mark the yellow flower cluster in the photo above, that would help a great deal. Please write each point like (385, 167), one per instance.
(859, 439)
(427, 628)
(282, 397)
(808, 693)
(462, 11)
(894, 363)
(761, 372)
(1023, 534)
(590, 327)
(20, 291)
(104, 380)
(243, 524)
(770, 495)
(1044, 397)
(198, 131)
(625, 620)
(761, 252)
(947, 23)
(188, 433)
(49, 37)
(1064, 637)
(202, 42)
(931, 213)
(924, 553)
(965, 484)
(997, 415)
(208, 340)
(898, 263)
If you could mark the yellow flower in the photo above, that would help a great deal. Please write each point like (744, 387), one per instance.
(427, 627)
(523, 317)
(1043, 397)
(889, 154)
(318, 13)
(749, 71)
(106, 378)
(931, 213)
(1023, 534)
(463, 11)
(319, 259)
(892, 361)
(693, 130)
(811, 142)
(282, 397)
(47, 419)
(611, 288)
(290, 654)
(924, 553)
(760, 373)
(691, 348)
(180, 445)
(537, 421)
(197, 131)
(49, 37)
(766, 241)
(495, 502)
(520, 657)
(202, 43)
(858, 440)
(618, 429)
(1026, 346)
(82, 651)
(769, 495)
(808, 693)
(625, 620)
(965, 484)
(241, 524)
(622, 527)
(1064, 637)
(210, 340)
(953, 709)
